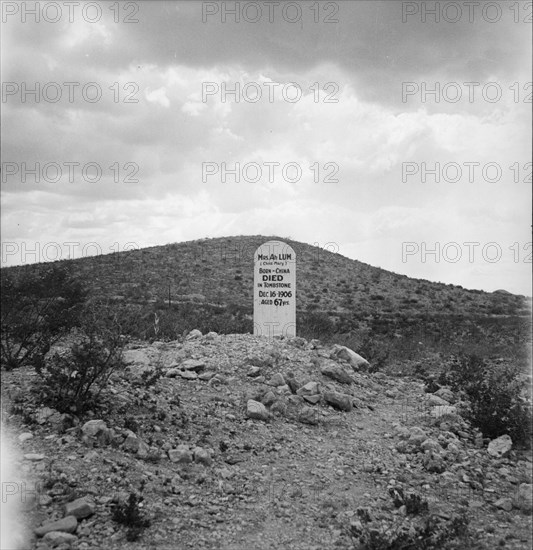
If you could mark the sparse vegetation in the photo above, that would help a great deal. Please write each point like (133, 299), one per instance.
(73, 379)
(38, 307)
(497, 396)
(130, 515)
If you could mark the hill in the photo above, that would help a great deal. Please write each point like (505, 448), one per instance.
(208, 284)
(338, 456)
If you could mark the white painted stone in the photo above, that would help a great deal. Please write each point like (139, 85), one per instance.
(274, 290)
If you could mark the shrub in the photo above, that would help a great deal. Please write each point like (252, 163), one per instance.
(130, 515)
(74, 379)
(37, 309)
(432, 534)
(495, 392)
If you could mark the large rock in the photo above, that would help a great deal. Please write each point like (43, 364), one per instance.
(202, 456)
(193, 365)
(96, 431)
(307, 415)
(57, 538)
(311, 388)
(277, 380)
(500, 446)
(93, 427)
(436, 401)
(446, 394)
(194, 335)
(524, 497)
(80, 508)
(67, 524)
(338, 400)
(354, 359)
(336, 372)
(256, 410)
(182, 454)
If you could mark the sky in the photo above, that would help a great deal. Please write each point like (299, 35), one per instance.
(386, 131)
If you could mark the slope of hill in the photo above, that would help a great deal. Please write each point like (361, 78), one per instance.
(209, 284)
(304, 476)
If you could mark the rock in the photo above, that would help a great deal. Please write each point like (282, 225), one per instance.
(337, 373)
(202, 456)
(311, 388)
(500, 446)
(46, 414)
(430, 445)
(434, 463)
(435, 401)
(308, 415)
(338, 400)
(524, 497)
(193, 335)
(256, 410)
(313, 399)
(25, 436)
(131, 443)
(68, 524)
(284, 390)
(504, 504)
(211, 335)
(268, 399)
(181, 454)
(173, 372)
(206, 375)
(94, 428)
(143, 449)
(277, 380)
(292, 383)
(417, 436)
(80, 508)
(193, 365)
(253, 372)
(189, 375)
(56, 538)
(34, 457)
(446, 394)
(354, 359)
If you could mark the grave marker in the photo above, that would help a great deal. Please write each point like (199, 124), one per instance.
(274, 290)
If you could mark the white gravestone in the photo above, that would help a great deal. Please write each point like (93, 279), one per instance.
(274, 290)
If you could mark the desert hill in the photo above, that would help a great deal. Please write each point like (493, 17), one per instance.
(207, 284)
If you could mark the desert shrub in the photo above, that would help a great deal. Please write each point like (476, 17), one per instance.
(495, 390)
(129, 514)
(414, 504)
(37, 309)
(72, 380)
(433, 533)
(315, 325)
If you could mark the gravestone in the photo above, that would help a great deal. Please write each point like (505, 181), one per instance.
(274, 290)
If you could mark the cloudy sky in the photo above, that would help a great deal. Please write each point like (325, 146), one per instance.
(335, 115)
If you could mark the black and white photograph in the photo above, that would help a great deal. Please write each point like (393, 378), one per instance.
(266, 275)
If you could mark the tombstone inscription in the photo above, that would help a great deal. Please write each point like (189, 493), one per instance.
(274, 290)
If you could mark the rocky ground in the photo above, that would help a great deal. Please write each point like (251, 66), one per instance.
(250, 444)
